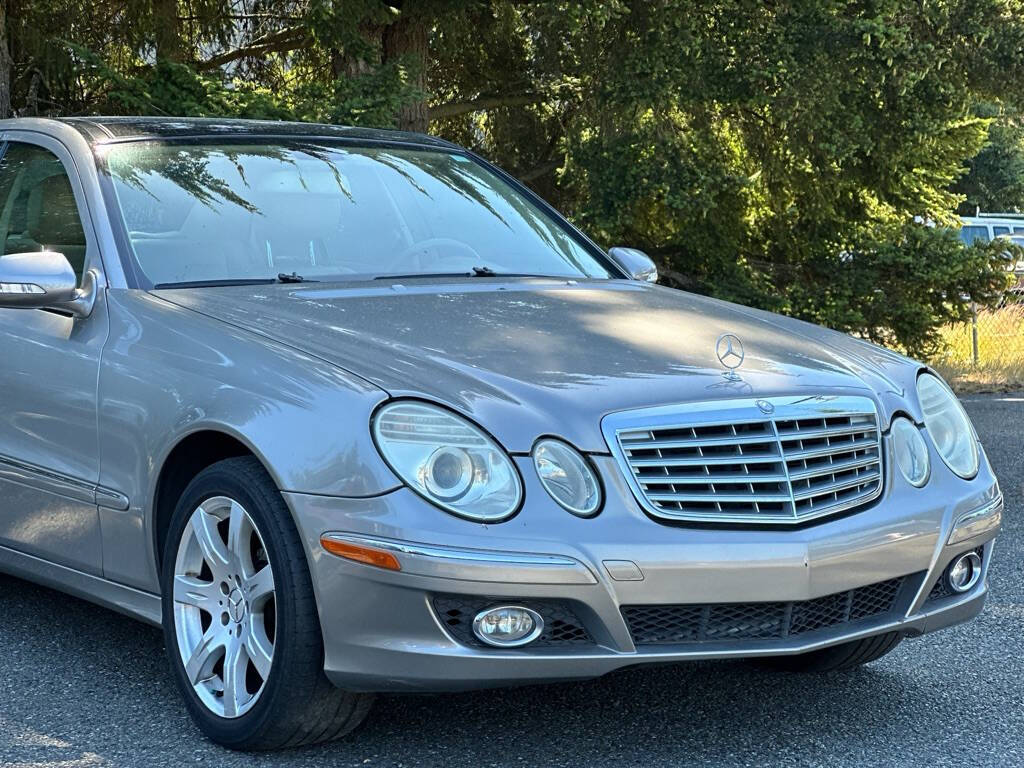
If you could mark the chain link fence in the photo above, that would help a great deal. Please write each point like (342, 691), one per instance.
(987, 352)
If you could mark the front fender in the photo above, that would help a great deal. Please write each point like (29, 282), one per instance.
(168, 372)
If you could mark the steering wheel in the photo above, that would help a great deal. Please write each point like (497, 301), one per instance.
(437, 242)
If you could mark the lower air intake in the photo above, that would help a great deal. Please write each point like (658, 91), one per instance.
(724, 622)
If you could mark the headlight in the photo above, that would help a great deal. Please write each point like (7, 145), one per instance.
(567, 476)
(948, 425)
(448, 460)
(911, 451)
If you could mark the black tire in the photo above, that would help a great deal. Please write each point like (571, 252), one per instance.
(298, 705)
(837, 657)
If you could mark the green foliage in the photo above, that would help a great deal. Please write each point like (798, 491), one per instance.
(754, 147)
(776, 154)
(995, 179)
(901, 287)
(167, 88)
(373, 99)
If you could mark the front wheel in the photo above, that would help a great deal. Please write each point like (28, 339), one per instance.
(240, 622)
(844, 656)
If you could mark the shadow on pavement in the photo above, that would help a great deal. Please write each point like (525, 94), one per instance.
(82, 686)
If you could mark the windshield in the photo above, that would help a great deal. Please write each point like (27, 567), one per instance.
(320, 211)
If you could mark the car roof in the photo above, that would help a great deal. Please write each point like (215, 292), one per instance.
(992, 220)
(98, 130)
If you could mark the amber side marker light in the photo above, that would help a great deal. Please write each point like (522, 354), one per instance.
(361, 554)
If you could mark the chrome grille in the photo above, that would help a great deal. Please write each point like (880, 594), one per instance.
(730, 461)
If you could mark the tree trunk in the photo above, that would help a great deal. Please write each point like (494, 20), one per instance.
(32, 97)
(167, 31)
(409, 37)
(351, 67)
(6, 65)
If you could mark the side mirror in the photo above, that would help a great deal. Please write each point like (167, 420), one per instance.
(637, 264)
(44, 280)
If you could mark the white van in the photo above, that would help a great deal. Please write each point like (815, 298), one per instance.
(988, 226)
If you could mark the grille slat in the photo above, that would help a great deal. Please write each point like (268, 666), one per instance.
(831, 450)
(704, 478)
(839, 466)
(836, 486)
(635, 445)
(724, 498)
(712, 460)
(816, 434)
(803, 459)
(725, 622)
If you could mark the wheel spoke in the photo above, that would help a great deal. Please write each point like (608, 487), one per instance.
(204, 526)
(235, 694)
(260, 586)
(258, 646)
(192, 591)
(238, 544)
(204, 656)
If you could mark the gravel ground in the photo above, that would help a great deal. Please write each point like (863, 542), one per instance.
(80, 686)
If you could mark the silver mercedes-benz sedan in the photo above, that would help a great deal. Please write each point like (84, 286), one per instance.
(348, 411)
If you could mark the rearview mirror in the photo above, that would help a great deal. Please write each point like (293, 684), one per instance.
(44, 280)
(637, 264)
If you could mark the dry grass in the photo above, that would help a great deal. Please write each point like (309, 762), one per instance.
(1000, 365)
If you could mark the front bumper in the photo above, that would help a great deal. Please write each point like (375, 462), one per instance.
(382, 629)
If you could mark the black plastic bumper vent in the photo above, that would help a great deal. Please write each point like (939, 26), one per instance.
(722, 622)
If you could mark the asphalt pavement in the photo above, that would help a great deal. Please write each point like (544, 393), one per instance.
(83, 687)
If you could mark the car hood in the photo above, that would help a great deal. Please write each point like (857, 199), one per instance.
(532, 357)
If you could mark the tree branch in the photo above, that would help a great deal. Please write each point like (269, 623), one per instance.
(276, 42)
(537, 171)
(678, 279)
(245, 17)
(456, 108)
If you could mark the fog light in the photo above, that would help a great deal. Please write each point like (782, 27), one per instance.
(964, 572)
(508, 626)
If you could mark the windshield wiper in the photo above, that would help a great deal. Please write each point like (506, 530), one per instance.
(294, 278)
(216, 283)
(281, 278)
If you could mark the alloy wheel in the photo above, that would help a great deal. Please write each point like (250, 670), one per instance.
(224, 607)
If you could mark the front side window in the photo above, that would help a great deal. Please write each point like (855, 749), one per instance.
(38, 211)
(253, 211)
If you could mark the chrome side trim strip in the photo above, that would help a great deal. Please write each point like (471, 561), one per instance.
(58, 483)
(477, 564)
(46, 480)
(109, 499)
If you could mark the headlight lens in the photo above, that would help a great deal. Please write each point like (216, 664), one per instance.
(911, 451)
(567, 476)
(948, 425)
(448, 460)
